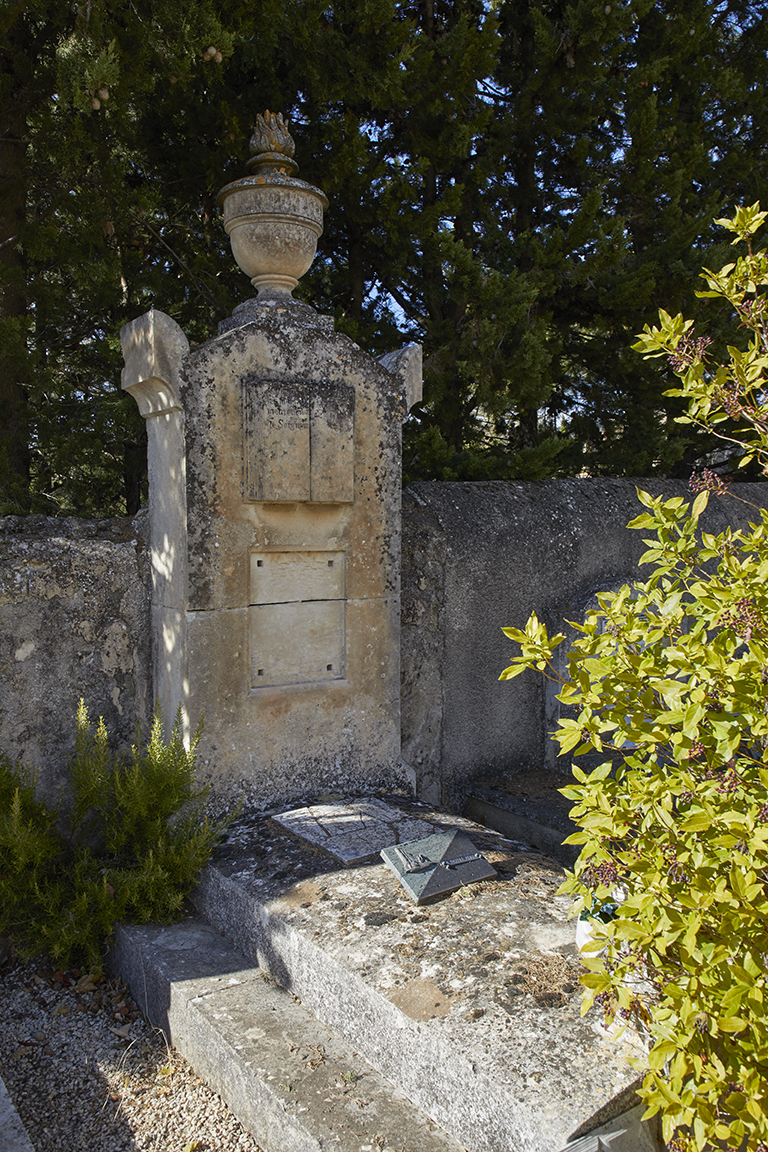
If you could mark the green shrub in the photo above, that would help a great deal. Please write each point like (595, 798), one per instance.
(128, 846)
(669, 680)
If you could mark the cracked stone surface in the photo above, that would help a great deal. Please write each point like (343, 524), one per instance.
(353, 832)
(470, 1003)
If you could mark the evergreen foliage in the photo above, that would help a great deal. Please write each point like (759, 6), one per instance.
(129, 845)
(510, 185)
(669, 682)
(622, 122)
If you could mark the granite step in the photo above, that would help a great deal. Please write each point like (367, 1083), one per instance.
(290, 1081)
(13, 1134)
(469, 1005)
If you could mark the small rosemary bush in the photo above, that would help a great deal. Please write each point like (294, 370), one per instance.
(669, 679)
(128, 846)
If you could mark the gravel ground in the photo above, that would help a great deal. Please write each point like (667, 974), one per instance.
(86, 1072)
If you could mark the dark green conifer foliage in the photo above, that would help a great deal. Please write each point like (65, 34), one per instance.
(624, 129)
(510, 185)
(83, 214)
(128, 845)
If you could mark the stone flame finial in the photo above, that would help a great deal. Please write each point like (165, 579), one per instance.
(273, 219)
(272, 146)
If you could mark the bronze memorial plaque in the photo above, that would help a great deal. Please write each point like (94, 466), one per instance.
(437, 865)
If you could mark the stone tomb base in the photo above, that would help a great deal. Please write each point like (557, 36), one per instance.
(470, 1005)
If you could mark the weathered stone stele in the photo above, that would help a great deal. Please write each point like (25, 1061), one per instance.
(274, 471)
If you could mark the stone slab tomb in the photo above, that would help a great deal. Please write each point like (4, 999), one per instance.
(470, 1004)
(274, 474)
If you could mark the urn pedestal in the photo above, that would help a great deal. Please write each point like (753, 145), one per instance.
(274, 462)
(272, 219)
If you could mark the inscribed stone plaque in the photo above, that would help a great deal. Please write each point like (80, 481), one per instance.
(332, 443)
(355, 831)
(437, 865)
(297, 643)
(299, 441)
(281, 577)
(277, 458)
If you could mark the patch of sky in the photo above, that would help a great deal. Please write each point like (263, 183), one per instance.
(385, 306)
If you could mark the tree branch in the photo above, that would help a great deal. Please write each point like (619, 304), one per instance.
(179, 260)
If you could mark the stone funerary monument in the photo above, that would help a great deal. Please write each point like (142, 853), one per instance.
(274, 503)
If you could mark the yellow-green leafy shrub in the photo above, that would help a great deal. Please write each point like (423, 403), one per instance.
(669, 679)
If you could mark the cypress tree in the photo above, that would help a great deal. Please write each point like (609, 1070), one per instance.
(511, 186)
(625, 129)
(81, 255)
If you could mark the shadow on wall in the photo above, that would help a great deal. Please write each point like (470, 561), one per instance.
(478, 557)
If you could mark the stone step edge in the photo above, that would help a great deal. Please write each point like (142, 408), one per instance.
(13, 1134)
(292, 1082)
(450, 1088)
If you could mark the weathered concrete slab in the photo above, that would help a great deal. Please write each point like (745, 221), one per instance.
(294, 1084)
(355, 831)
(13, 1134)
(527, 806)
(471, 1005)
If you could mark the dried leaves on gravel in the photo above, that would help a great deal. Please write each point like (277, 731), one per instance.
(85, 1071)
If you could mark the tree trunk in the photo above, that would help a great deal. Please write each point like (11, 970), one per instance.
(14, 421)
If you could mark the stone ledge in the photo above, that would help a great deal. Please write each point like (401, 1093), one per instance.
(470, 1005)
(294, 1084)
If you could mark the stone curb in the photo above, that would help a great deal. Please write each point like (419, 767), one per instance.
(13, 1135)
(288, 1078)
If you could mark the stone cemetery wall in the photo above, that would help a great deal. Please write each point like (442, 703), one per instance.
(74, 622)
(482, 556)
(74, 619)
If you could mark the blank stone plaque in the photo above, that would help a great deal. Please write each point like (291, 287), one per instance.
(297, 643)
(281, 577)
(437, 865)
(296, 618)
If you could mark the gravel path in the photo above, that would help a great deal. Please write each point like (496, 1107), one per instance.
(86, 1072)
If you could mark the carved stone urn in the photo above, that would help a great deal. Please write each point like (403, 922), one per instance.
(272, 219)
